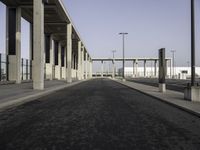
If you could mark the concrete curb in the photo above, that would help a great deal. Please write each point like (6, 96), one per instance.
(162, 100)
(28, 98)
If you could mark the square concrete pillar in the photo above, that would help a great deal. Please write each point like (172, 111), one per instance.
(82, 63)
(86, 65)
(13, 43)
(38, 44)
(91, 68)
(145, 68)
(31, 49)
(102, 68)
(69, 53)
(134, 68)
(65, 61)
(58, 66)
(48, 49)
(155, 68)
(79, 60)
(50, 73)
(52, 57)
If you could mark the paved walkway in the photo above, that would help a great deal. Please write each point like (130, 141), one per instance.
(171, 97)
(16, 94)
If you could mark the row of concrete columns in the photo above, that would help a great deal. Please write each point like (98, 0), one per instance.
(45, 52)
(135, 67)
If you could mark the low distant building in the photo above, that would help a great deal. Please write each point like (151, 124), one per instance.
(151, 72)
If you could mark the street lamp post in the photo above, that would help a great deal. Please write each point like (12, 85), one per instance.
(192, 43)
(173, 64)
(123, 42)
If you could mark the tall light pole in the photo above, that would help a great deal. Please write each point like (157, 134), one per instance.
(173, 64)
(192, 43)
(113, 51)
(123, 35)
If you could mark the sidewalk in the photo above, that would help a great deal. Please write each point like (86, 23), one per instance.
(16, 94)
(171, 97)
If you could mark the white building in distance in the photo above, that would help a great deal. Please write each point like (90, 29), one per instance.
(151, 72)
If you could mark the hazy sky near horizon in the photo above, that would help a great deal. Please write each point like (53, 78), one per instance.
(151, 24)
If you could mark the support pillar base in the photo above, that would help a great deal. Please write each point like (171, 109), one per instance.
(49, 71)
(162, 87)
(192, 93)
(58, 72)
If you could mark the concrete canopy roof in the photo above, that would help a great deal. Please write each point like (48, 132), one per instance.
(56, 17)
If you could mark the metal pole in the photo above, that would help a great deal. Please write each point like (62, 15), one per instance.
(27, 69)
(22, 69)
(123, 55)
(0, 68)
(123, 43)
(7, 68)
(192, 43)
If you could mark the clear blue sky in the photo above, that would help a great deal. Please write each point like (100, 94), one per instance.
(151, 24)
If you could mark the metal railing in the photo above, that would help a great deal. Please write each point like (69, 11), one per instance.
(3, 67)
(26, 67)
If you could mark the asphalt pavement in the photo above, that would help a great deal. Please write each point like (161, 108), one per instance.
(99, 114)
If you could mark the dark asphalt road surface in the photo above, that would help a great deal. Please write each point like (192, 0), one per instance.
(98, 115)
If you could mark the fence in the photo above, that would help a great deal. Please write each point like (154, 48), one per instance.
(3, 67)
(26, 67)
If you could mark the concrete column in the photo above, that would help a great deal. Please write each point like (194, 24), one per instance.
(102, 68)
(58, 65)
(63, 62)
(52, 58)
(90, 68)
(82, 63)
(64, 68)
(48, 50)
(155, 68)
(38, 44)
(170, 68)
(113, 68)
(31, 49)
(145, 68)
(136, 68)
(86, 65)
(69, 53)
(79, 60)
(13, 43)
